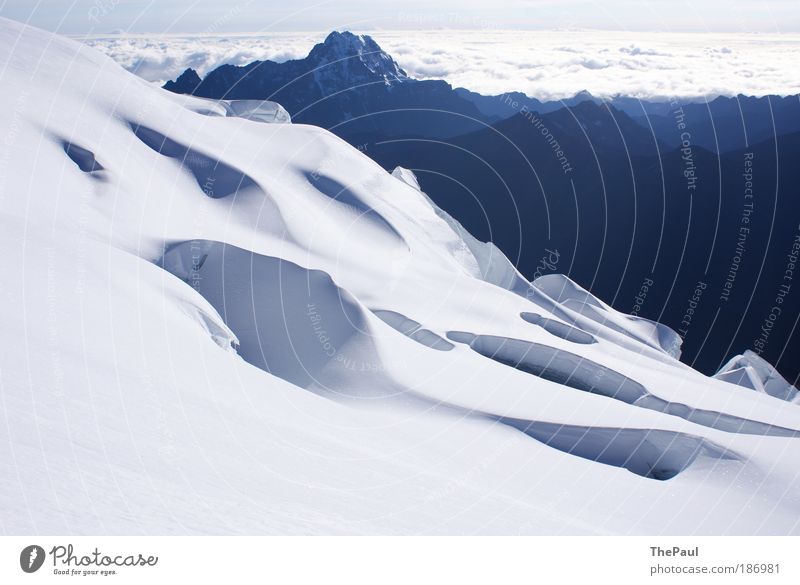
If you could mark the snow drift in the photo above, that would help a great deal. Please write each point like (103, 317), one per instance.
(213, 324)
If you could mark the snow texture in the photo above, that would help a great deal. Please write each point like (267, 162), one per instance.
(216, 325)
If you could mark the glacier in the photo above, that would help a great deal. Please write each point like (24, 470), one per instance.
(219, 322)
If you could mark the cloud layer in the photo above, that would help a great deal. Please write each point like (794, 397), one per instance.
(543, 64)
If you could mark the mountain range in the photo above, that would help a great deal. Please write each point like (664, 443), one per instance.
(350, 86)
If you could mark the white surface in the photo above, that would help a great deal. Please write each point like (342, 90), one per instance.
(135, 400)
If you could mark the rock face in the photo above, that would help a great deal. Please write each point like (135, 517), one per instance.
(186, 82)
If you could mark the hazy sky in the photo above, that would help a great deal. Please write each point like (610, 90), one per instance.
(217, 16)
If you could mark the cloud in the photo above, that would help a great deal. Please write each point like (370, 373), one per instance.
(543, 64)
(165, 57)
(634, 50)
(594, 63)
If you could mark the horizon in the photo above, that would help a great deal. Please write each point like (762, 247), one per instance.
(372, 31)
(547, 65)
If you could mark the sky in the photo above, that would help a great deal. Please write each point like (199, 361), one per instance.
(217, 16)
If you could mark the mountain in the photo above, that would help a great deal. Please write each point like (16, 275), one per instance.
(720, 125)
(216, 321)
(341, 58)
(510, 103)
(347, 84)
(617, 189)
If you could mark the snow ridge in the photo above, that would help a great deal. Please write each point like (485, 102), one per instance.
(213, 325)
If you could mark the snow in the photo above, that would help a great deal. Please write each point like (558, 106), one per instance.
(579, 302)
(215, 325)
(255, 110)
(750, 370)
(558, 328)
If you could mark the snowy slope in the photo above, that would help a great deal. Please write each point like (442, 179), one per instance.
(217, 324)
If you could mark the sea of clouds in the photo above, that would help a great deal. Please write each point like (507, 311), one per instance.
(543, 64)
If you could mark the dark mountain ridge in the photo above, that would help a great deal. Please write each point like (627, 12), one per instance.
(346, 84)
